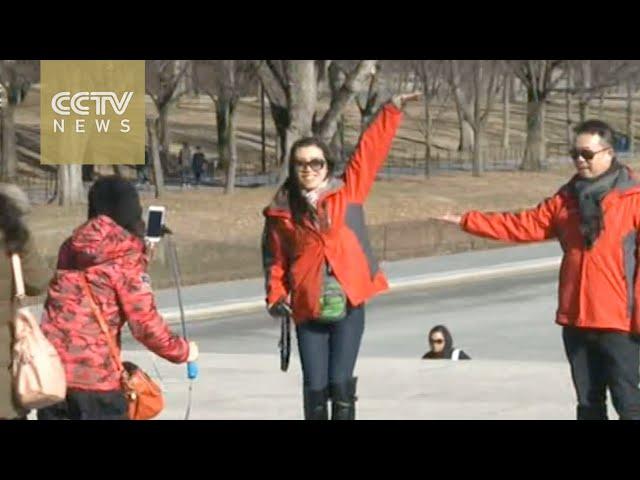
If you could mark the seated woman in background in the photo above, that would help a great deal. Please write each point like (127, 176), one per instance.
(441, 343)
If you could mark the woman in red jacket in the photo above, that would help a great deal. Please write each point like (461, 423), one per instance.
(595, 217)
(318, 261)
(109, 250)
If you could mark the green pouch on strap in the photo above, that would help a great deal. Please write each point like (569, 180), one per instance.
(333, 301)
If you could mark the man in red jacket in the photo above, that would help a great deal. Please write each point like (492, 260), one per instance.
(595, 217)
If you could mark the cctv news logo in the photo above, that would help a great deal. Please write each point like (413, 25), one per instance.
(98, 104)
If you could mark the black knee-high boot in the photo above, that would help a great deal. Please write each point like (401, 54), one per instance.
(315, 404)
(343, 400)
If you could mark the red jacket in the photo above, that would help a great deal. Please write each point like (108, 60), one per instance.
(115, 265)
(294, 256)
(598, 287)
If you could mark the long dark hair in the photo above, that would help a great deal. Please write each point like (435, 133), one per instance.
(118, 199)
(297, 203)
(448, 342)
(15, 232)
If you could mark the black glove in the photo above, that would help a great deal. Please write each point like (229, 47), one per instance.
(280, 309)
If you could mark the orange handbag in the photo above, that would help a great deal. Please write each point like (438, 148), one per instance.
(143, 395)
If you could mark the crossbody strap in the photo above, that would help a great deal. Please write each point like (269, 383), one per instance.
(113, 349)
(16, 265)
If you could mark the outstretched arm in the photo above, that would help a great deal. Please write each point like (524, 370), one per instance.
(373, 148)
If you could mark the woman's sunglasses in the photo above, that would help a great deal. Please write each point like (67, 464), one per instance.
(436, 340)
(315, 164)
(584, 153)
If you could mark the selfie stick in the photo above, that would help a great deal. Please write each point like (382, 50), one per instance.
(192, 367)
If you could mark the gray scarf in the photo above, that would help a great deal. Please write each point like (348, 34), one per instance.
(590, 192)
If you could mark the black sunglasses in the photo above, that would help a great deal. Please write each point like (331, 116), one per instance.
(437, 340)
(315, 164)
(584, 153)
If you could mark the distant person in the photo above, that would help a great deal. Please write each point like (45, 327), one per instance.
(184, 159)
(595, 217)
(441, 346)
(197, 164)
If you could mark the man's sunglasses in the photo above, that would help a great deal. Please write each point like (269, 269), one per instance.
(315, 164)
(584, 153)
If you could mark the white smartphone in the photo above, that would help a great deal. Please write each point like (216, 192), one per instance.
(155, 222)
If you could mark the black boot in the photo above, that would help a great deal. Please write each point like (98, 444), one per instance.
(343, 400)
(315, 404)
(593, 412)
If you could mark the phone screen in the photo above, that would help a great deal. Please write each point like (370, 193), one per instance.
(154, 224)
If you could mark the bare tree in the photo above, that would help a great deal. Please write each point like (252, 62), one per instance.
(164, 84)
(458, 76)
(539, 77)
(432, 79)
(568, 104)
(480, 92)
(16, 77)
(593, 77)
(631, 88)
(158, 176)
(292, 90)
(70, 186)
(506, 108)
(224, 81)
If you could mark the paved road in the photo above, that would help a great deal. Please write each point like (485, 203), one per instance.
(496, 319)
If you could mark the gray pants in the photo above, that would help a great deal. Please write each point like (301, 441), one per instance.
(601, 359)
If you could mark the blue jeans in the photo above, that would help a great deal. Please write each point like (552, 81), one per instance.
(328, 351)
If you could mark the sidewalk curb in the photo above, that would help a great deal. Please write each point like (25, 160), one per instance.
(204, 311)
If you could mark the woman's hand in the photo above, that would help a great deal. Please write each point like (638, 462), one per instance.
(150, 249)
(450, 218)
(400, 99)
(193, 352)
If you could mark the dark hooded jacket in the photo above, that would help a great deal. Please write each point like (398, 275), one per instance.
(447, 352)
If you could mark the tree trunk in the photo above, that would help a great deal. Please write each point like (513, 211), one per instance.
(193, 77)
(335, 144)
(567, 98)
(70, 186)
(9, 153)
(476, 166)
(427, 132)
(158, 177)
(505, 110)
(233, 160)
(163, 129)
(601, 105)
(586, 85)
(462, 104)
(280, 118)
(223, 124)
(583, 108)
(513, 89)
(630, 119)
(466, 135)
(302, 105)
(535, 147)
(263, 131)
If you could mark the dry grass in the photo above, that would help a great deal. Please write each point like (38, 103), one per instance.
(218, 236)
